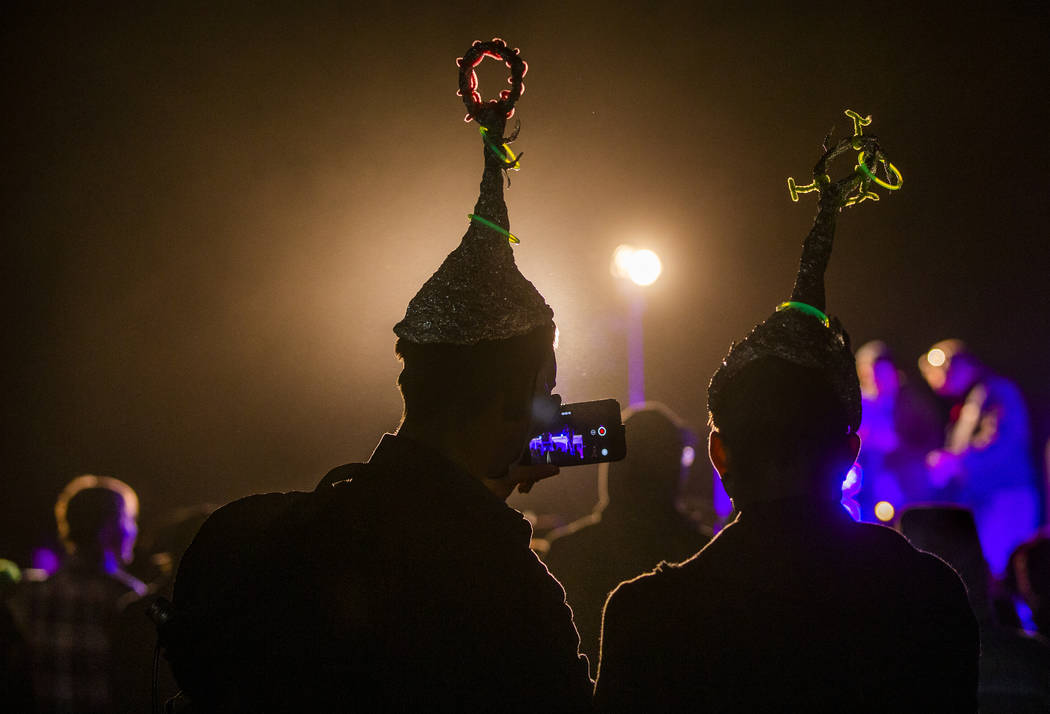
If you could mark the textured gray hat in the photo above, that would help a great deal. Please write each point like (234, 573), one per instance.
(478, 293)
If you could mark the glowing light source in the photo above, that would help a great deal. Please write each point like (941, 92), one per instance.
(640, 266)
(884, 511)
(936, 357)
(645, 267)
(688, 456)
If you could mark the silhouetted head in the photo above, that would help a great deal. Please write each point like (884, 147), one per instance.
(950, 533)
(650, 476)
(950, 368)
(447, 386)
(98, 514)
(781, 430)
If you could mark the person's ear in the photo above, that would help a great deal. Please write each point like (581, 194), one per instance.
(853, 444)
(716, 449)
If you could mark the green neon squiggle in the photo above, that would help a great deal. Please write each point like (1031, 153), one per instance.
(806, 308)
(890, 168)
(499, 229)
(506, 155)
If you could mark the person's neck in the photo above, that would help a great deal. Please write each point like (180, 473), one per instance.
(98, 558)
(453, 445)
(801, 505)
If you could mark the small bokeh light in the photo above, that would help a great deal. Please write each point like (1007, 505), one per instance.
(936, 357)
(688, 456)
(640, 265)
(884, 511)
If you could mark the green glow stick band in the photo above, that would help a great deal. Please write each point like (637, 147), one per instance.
(889, 168)
(499, 229)
(808, 309)
(508, 158)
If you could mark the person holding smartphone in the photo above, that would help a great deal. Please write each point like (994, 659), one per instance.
(405, 583)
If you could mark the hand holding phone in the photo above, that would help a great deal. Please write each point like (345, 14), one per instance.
(578, 434)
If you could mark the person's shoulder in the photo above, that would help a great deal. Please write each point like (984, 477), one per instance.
(920, 569)
(644, 592)
(233, 533)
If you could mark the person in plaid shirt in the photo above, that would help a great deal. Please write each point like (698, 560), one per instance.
(68, 618)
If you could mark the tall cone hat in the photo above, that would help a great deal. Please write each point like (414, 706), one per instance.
(478, 293)
(799, 331)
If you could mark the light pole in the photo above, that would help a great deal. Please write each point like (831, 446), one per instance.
(642, 267)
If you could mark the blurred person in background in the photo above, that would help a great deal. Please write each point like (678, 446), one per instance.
(1028, 577)
(900, 427)
(635, 525)
(68, 619)
(1014, 667)
(16, 685)
(986, 461)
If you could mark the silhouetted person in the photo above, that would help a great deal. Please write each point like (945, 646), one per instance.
(135, 636)
(69, 618)
(635, 525)
(793, 606)
(1015, 667)
(986, 462)
(405, 583)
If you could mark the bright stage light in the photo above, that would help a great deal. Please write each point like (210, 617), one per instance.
(936, 357)
(620, 260)
(640, 266)
(645, 267)
(884, 511)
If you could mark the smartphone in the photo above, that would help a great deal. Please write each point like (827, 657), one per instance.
(578, 434)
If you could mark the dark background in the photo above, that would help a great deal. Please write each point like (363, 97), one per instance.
(215, 213)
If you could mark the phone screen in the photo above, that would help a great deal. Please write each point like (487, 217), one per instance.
(580, 433)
